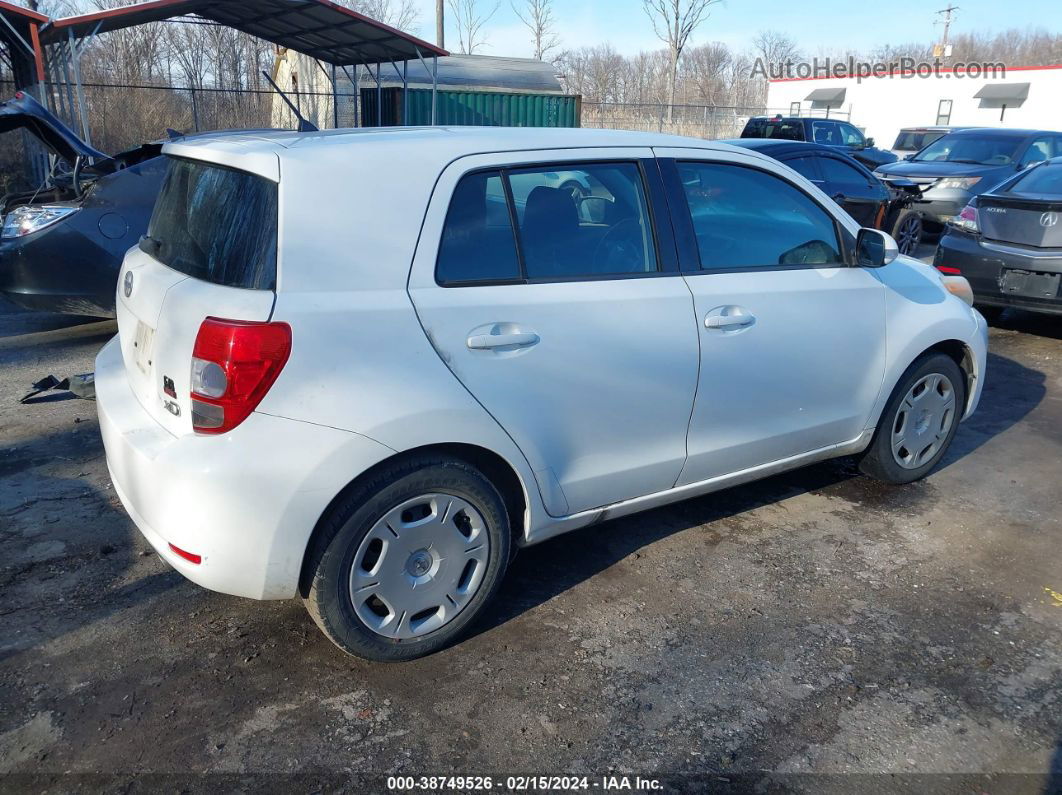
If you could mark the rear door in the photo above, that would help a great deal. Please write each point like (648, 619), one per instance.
(211, 250)
(548, 286)
(792, 338)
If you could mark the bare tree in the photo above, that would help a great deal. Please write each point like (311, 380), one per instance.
(538, 18)
(470, 20)
(774, 49)
(674, 22)
(401, 14)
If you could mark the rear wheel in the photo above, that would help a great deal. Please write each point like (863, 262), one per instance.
(919, 421)
(907, 231)
(408, 560)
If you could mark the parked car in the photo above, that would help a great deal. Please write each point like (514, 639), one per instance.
(62, 243)
(881, 204)
(840, 135)
(373, 411)
(963, 164)
(1008, 242)
(911, 140)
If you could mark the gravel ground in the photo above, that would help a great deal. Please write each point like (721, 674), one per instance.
(815, 631)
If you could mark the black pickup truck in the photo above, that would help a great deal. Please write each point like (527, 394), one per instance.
(838, 134)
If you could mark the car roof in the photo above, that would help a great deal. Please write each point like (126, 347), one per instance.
(780, 146)
(1005, 132)
(259, 151)
(940, 127)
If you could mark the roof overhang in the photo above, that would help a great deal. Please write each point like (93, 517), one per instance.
(1004, 91)
(19, 32)
(319, 28)
(828, 95)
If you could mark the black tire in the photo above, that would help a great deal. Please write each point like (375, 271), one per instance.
(908, 232)
(326, 576)
(878, 461)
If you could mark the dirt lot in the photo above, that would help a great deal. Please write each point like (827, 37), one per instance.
(813, 623)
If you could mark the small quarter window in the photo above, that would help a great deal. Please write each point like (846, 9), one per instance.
(477, 240)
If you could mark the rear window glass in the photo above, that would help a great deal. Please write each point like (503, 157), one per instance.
(217, 224)
(786, 130)
(1040, 181)
(914, 141)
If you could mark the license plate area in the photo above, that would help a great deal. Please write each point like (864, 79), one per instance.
(1029, 284)
(143, 347)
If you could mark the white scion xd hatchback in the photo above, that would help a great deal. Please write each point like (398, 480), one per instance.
(363, 367)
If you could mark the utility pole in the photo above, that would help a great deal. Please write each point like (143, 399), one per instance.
(946, 13)
(440, 34)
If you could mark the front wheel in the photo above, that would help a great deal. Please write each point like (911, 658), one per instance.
(907, 231)
(919, 421)
(406, 562)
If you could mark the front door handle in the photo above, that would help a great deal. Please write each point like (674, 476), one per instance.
(728, 321)
(486, 342)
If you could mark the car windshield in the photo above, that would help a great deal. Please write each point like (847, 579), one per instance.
(217, 224)
(983, 149)
(1045, 180)
(914, 140)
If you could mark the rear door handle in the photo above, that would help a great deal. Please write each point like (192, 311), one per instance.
(486, 342)
(728, 321)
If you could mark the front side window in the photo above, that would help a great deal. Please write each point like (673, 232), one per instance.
(747, 218)
(851, 136)
(806, 167)
(1039, 150)
(217, 224)
(571, 221)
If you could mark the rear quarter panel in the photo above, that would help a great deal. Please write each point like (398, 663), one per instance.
(360, 360)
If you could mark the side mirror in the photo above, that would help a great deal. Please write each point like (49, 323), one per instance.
(875, 249)
(870, 142)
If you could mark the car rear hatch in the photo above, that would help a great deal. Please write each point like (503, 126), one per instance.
(211, 251)
(1023, 221)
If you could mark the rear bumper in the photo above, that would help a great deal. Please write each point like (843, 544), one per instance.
(246, 502)
(983, 265)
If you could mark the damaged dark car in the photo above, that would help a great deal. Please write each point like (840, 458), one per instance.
(62, 243)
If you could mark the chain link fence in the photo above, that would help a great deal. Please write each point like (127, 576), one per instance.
(696, 121)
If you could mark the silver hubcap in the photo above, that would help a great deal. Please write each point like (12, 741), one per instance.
(419, 566)
(923, 421)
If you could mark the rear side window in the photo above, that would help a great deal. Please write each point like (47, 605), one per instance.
(747, 218)
(217, 224)
(572, 221)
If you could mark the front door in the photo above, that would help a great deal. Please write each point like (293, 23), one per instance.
(792, 338)
(547, 288)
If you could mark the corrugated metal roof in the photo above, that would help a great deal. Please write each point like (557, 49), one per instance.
(320, 28)
(483, 73)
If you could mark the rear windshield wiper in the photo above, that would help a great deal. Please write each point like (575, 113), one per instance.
(150, 245)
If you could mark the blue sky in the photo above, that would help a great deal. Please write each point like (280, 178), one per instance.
(819, 26)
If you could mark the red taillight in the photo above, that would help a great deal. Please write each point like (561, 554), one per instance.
(189, 556)
(234, 363)
(967, 219)
(949, 271)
